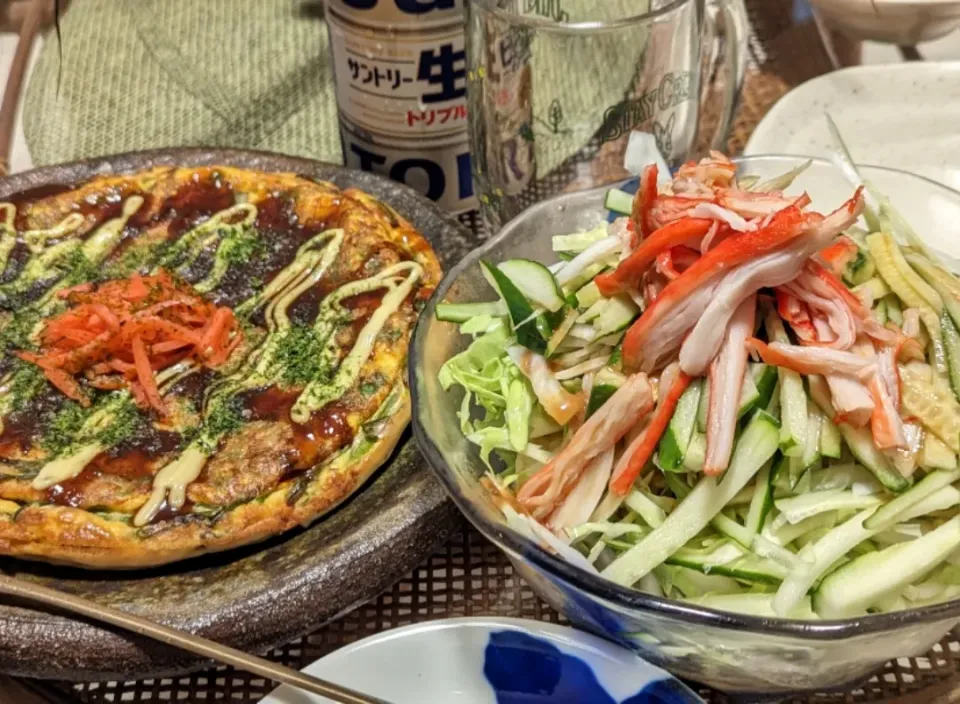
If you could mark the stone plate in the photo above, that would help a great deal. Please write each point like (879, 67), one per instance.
(261, 596)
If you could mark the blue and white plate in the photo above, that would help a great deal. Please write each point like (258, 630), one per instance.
(492, 661)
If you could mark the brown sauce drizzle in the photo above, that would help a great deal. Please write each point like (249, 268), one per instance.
(325, 433)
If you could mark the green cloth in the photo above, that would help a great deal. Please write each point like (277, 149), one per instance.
(140, 74)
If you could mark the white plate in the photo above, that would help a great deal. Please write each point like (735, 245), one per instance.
(491, 661)
(933, 210)
(903, 116)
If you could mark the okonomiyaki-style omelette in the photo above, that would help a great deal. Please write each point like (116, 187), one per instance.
(193, 359)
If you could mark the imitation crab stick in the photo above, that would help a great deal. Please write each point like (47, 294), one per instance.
(621, 482)
(785, 226)
(627, 274)
(643, 203)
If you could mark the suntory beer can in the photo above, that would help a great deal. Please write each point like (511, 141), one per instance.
(410, 83)
(438, 168)
(399, 14)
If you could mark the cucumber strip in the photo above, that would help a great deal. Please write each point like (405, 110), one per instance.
(756, 445)
(462, 312)
(588, 295)
(676, 438)
(929, 274)
(894, 310)
(616, 316)
(886, 252)
(794, 417)
(762, 501)
(535, 282)
(859, 441)
(753, 604)
(880, 312)
(521, 313)
(730, 528)
(579, 241)
(558, 336)
(875, 289)
(592, 313)
(765, 377)
(786, 534)
(947, 497)
(865, 581)
(951, 345)
(696, 453)
(749, 395)
(747, 568)
(703, 407)
(888, 514)
(692, 583)
(618, 201)
(644, 507)
(831, 442)
(821, 555)
(935, 454)
(799, 508)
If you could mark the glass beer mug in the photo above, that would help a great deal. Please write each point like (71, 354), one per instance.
(556, 88)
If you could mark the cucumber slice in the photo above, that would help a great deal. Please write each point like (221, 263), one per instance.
(887, 514)
(618, 201)
(579, 241)
(616, 316)
(535, 282)
(522, 315)
(676, 438)
(860, 442)
(756, 445)
(462, 312)
(811, 450)
(830, 439)
(865, 581)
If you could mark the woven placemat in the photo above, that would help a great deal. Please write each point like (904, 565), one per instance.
(471, 577)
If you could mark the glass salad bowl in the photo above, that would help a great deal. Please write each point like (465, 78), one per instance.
(765, 657)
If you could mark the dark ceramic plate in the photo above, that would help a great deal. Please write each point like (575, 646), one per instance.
(257, 597)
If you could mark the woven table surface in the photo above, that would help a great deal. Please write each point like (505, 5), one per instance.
(471, 577)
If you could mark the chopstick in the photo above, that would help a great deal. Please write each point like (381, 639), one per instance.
(12, 586)
(18, 69)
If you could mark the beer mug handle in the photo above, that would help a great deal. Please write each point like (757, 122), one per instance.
(731, 15)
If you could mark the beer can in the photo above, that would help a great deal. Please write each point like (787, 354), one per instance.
(399, 14)
(400, 83)
(438, 169)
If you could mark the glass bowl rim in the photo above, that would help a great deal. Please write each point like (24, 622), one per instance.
(593, 584)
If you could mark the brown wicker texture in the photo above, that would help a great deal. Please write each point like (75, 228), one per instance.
(469, 576)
